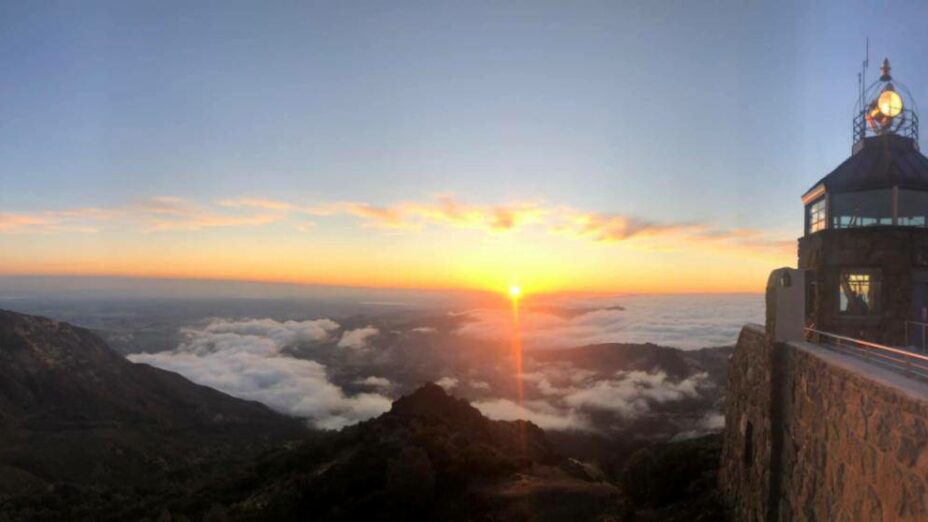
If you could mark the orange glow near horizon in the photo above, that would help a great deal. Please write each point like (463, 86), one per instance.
(430, 260)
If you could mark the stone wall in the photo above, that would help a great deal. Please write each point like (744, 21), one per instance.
(746, 455)
(895, 251)
(832, 437)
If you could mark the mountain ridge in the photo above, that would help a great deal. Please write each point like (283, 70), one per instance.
(73, 409)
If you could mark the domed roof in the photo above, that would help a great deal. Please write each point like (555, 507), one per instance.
(879, 162)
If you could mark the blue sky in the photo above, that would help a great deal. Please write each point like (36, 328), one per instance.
(680, 112)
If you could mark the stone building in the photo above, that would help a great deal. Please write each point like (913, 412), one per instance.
(865, 247)
(825, 425)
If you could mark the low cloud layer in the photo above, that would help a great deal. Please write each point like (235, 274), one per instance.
(547, 330)
(448, 383)
(570, 397)
(545, 416)
(375, 382)
(632, 394)
(687, 322)
(358, 338)
(246, 359)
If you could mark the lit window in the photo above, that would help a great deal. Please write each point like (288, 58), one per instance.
(859, 293)
(817, 216)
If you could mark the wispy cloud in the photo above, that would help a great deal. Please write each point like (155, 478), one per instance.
(266, 204)
(151, 215)
(616, 228)
(81, 220)
(373, 215)
(443, 210)
(612, 228)
(171, 213)
(447, 210)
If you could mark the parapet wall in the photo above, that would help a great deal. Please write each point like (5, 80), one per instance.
(816, 435)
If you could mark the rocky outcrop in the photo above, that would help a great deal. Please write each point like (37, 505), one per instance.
(431, 457)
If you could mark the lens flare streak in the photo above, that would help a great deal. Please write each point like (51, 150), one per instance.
(516, 350)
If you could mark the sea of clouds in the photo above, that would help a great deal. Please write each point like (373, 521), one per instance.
(571, 395)
(249, 358)
(687, 322)
(246, 359)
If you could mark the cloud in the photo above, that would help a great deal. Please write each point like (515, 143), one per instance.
(424, 330)
(479, 385)
(571, 397)
(153, 214)
(668, 236)
(547, 330)
(81, 220)
(446, 209)
(375, 216)
(443, 210)
(632, 394)
(267, 204)
(611, 228)
(357, 339)
(681, 321)
(375, 382)
(547, 419)
(712, 422)
(246, 359)
(173, 213)
(447, 383)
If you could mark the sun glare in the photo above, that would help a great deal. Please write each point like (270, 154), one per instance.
(515, 292)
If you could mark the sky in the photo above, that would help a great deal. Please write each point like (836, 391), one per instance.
(581, 146)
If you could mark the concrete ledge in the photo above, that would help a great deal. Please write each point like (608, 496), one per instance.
(913, 388)
(754, 327)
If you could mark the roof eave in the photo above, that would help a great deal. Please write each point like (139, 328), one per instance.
(814, 193)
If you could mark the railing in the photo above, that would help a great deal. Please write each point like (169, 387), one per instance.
(909, 363)
(905, 124)
(913, 327)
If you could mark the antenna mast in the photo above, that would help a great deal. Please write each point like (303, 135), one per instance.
(860, 129)
(863, 75)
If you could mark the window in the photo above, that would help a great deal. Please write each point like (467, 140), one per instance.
(913, 208)
(811, 297)
(859, 292)
(862, 209)
(816, 217)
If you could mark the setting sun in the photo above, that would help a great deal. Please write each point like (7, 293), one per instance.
(515, 292)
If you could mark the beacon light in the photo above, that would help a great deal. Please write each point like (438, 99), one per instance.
(890, 103)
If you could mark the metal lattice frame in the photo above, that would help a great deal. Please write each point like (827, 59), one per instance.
(905, 124)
